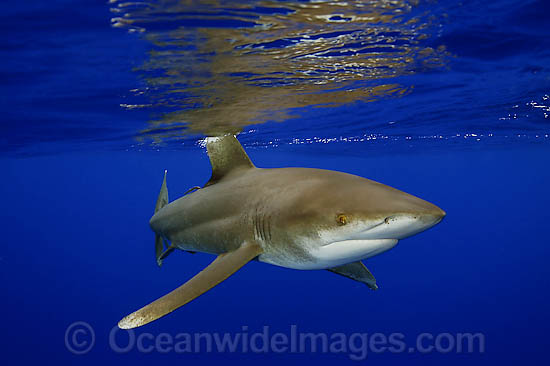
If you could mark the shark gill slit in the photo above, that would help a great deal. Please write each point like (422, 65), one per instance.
(264, 236)
(258, 224)
(257, 233)
(269, 229)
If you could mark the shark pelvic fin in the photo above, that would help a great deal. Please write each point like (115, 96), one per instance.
(162, 201)
(220, 269)
(358, 272)
(226, 154)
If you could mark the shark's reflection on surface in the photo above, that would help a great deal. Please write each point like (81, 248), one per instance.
(217, 66)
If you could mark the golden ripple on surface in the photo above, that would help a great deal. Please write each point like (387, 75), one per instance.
(221, 65)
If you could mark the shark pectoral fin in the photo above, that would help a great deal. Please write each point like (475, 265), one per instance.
(220, 269)
(358, 272)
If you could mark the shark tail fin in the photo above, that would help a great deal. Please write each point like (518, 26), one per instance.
(162, 201)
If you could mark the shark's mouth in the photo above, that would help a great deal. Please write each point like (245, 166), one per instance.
(346, 251)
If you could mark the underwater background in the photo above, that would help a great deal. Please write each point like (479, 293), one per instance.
(446, 100)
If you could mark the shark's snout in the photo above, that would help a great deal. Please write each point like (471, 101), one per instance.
(402, 225)
(405, 225)
(436, 216)
(418, 223)
(429, 217)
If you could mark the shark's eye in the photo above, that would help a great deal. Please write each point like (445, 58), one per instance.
(342, 219)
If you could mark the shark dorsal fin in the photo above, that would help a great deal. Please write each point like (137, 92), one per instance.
(226, 154)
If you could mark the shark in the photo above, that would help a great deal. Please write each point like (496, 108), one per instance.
(300, 218)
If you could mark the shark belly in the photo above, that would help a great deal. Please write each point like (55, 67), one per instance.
(330, 255)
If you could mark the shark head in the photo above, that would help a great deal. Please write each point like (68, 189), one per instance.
(343, 218)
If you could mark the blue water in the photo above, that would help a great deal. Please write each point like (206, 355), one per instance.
(451, 104)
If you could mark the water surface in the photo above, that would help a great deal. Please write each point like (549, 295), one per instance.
(164, 73)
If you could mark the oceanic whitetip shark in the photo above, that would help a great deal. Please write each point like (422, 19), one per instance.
(291, 217)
